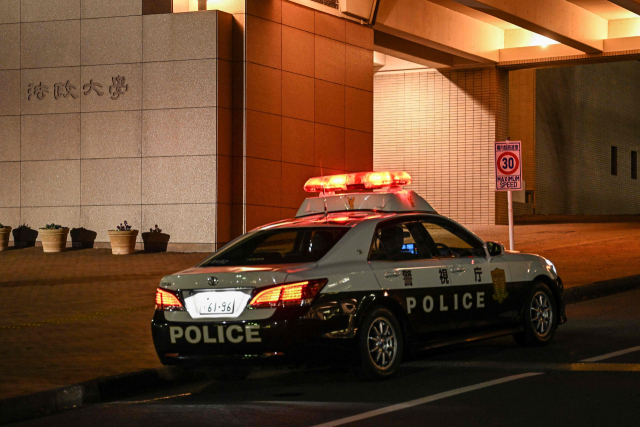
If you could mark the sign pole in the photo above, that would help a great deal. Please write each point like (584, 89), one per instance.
(508, 175)
(510, 201)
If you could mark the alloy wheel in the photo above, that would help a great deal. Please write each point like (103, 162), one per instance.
(541, 314)
(382, 343)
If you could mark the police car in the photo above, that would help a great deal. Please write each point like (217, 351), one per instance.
(366, 267)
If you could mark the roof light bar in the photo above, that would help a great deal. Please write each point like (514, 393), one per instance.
(357, 181)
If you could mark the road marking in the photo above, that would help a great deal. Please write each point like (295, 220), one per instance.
(520, 366)
(423, 400)
(155, 399)
(77, 318)
(610, 355)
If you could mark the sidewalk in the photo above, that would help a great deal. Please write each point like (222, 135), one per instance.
(74, 316)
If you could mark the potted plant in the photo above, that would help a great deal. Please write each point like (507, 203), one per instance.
(82, 238)
(24, 236)
(54, 237)
(5, 231)
(123, 239)
(155, 240)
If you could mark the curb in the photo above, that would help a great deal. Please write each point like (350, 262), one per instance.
(601, 289)
(99, 390)
(122, 386)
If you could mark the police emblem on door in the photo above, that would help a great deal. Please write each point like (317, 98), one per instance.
(407, 277)
(499, 285)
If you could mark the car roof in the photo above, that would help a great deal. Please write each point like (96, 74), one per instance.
(339, 219)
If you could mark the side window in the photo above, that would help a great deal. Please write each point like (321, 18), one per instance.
(449, 241)
(399, 242)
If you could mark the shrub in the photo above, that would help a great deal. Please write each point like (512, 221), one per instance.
(125, 227)
(53, 226)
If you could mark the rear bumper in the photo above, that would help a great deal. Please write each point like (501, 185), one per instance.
(285, 339)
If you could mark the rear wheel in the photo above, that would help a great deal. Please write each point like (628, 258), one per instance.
(380, 345)
(539, 318)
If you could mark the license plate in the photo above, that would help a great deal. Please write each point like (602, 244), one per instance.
(217, 304)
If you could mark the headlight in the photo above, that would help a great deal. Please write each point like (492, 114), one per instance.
(551, 267)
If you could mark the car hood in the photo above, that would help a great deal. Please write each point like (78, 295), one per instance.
(233, 277)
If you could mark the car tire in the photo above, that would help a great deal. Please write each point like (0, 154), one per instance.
(539, 318)
(380, 345)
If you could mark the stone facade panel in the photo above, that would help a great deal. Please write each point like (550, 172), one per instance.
(189, 179)
(180, 36)
(111, 40)
(9, 11)
(9, 138)
(111, 134)
(9, 46)
(50, 183)
(50, 44)
(108, 8)
(180, 84)
(9, 92)
(47, 10)
(9, 184)
(179, 132)
(110, 181)
(50, 137)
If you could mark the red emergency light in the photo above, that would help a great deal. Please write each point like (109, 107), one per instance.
(357, 181)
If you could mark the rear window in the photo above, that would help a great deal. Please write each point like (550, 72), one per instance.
(282, 246)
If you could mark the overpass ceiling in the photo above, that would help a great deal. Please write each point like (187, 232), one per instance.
(606, 9)
(475, 33)
(489, 19)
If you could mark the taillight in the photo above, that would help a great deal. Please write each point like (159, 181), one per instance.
(292, 294)
(166, 300)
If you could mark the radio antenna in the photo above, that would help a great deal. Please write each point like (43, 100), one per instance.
(324, 194)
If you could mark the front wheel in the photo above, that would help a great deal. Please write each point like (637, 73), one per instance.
(380, 345)
(539, 318)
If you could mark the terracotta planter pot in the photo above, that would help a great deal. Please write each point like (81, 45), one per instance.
(155, 242)
(4, 238)
(54, 240)
(123, 242)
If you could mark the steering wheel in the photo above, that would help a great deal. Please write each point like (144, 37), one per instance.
(442, 246)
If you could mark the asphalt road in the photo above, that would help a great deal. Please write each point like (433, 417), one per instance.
(492, 383)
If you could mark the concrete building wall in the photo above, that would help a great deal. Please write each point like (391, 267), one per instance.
(580, 113)
(440, 127)
(303, 103)
(144, 146)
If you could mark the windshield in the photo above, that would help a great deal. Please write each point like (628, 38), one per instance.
(282, 246)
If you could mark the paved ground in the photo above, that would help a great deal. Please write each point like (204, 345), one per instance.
(82, 314)
(493, 383)
(77, 315)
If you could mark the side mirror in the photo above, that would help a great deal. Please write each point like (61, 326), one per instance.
(493, 249)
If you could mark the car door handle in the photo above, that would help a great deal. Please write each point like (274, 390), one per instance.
(457, 270)
(390, 274)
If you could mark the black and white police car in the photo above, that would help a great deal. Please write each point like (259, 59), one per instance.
(377, 272)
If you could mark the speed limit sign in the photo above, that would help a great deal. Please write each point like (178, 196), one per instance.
(507, 164)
